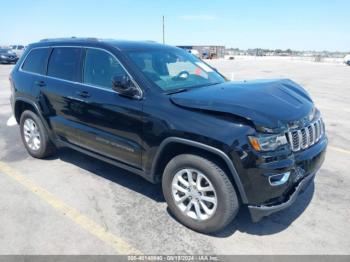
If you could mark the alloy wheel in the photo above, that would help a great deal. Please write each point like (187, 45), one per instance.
(31, 134)
(194, 194)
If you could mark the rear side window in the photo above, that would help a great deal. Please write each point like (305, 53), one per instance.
(64, 63)
(36, 61)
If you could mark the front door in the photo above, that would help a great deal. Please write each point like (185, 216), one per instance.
(112, 124)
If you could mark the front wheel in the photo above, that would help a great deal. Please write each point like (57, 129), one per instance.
(199, 193)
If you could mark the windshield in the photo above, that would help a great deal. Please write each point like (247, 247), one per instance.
(172, 69)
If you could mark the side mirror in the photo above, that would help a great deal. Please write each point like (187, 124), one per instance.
(124, 86)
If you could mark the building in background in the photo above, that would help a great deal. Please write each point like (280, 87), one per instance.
(207, 51)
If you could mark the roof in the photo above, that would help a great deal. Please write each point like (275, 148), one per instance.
(119, 44)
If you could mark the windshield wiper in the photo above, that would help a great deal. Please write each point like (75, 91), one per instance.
(176, 91)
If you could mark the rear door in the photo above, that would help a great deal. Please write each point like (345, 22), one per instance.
(32, 73)
(59, 92)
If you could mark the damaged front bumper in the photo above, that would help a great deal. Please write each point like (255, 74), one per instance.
(258, 212)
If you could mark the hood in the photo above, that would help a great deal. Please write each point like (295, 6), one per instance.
(268, 103)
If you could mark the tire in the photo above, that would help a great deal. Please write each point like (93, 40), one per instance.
(38, 150)
(227, 204)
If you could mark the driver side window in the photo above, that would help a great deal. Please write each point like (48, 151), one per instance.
(100, 67)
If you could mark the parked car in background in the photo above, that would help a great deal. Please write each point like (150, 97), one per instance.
(7, 56)
(347, 60)
(18, 49)
(205, 55)
(229, 57)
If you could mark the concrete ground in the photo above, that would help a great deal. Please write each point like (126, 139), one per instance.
(74, 204)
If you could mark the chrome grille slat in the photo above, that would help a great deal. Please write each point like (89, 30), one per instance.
(322, 128)
(307, 133)
(290, 139)
(300, 139)
(305, 137)
(317, 130)
(313, 134)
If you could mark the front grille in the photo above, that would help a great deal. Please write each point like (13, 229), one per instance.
(305, 137)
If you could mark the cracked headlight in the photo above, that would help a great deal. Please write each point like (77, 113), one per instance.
(267, 142)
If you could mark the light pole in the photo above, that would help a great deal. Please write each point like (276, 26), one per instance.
(163, 32)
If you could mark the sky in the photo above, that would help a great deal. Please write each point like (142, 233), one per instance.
(274, 24)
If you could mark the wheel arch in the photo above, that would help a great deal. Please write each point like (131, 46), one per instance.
(173, 146)
(22, 104)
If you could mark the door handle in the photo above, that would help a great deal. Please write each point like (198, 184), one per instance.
(84, 94)
(40, 83)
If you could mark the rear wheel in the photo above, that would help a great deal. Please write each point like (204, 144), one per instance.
(34, 135)
(199, 193)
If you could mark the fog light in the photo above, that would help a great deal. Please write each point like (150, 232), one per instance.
(299, 173)
(279, 179)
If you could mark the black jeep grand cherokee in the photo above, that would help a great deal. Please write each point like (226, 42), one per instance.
(162, 113)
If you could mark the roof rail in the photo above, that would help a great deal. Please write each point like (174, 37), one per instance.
(69, 38)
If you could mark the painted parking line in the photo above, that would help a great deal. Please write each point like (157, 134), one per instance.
(339, 150)
(86, 223)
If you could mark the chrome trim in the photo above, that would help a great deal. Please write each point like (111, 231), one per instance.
(282, 181)
(81, 83)
(290, 139)
(300, 139)
(322, 128)
(307, 133)
(310, 134)
(313, 134)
